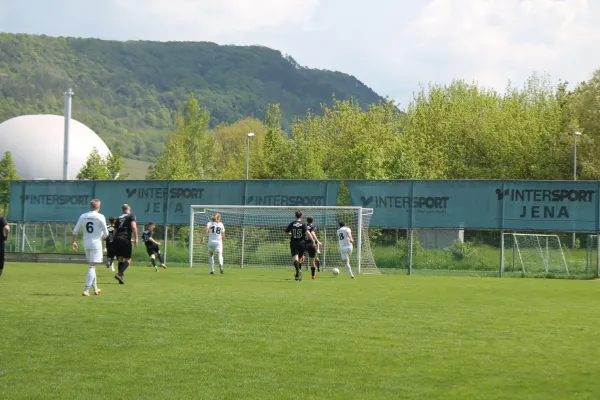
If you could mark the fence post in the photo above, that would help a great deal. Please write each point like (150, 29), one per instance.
(501, 253)
(409, 241)
(165, 246)
(588, 253)
(597, 255)
(409, 245)
(166, 223)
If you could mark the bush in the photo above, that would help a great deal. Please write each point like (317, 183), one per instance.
(462, 250)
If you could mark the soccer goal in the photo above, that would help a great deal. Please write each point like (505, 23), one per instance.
(254, 235)
(535, 253)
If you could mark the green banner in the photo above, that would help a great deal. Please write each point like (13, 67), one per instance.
(165, 202)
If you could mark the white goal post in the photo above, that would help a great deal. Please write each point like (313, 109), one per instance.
(535, 253)
(254, 235)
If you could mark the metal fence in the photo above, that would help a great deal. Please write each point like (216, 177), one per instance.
(417, 252)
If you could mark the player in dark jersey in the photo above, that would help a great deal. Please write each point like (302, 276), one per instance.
(4, 232)
(296, 230)
(152, 246)
(126, 227)
(311, 246)
(110, 246)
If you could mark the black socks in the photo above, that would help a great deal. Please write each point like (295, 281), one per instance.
(122, 267)
(313, 271)
(160, 257)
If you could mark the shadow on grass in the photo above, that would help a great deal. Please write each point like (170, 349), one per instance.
(53, 294)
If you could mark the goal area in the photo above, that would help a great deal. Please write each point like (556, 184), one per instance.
(254, 236)
(534, 254)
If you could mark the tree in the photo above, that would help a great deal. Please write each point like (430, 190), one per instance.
(174, 162)
(8, 172)
(199, 145)
(347, 141)
(189, 150)
(98, 168)
(462, 131)
(278, 156)
(586, 107)
(230, 152)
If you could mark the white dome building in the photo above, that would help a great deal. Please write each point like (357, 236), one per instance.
(36, 143)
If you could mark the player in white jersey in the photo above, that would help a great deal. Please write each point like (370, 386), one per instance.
(94, 233)
(345, 241)
(216, 234)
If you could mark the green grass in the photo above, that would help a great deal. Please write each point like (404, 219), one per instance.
(136, 169)
(257, 334)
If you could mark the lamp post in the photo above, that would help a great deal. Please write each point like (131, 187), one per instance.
(575, 134)
(248, 136)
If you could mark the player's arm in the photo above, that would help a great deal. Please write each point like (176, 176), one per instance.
(349, 232)
(104, 228)
(288, 231)
(205, 232)
(134, 230)
(75, 232)
(223, 233)
(5, 228)
(315, 239)
(153, 240)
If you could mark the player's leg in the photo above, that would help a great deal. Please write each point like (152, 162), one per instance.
(346, 253)
(299, 252)
(160, 257)
(96, 259)
(295, 260)
(219, 251)
(110, 257)
(152, 258)
(312, 254)
(89, 278)
(123, 249)
(211, 258)
(127, 253)
(1, 258)
(120, 250)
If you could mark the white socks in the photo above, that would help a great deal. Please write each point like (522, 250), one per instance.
(221, 261)
(90, 279)
(349, 268)
(211, 263)
(112, 267)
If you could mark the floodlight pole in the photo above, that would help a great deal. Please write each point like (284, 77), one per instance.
(575, 134)
(68, 96)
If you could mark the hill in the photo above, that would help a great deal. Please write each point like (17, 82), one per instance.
(128, 92)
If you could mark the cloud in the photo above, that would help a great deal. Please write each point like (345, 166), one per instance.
(215, 19)
(493, 41)
(391, 45)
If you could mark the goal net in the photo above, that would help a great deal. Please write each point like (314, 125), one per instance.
(534, 254)
(254, 236)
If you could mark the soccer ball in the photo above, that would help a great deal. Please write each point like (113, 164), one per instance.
(335, 271)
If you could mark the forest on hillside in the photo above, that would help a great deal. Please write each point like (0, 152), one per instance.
(130, 92)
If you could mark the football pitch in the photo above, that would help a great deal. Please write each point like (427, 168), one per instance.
(258, 334)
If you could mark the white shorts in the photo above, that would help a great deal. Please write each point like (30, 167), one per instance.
(216, 247)
(94, 256)
(346, 252)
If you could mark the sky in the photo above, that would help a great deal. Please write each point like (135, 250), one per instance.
(393, 46)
